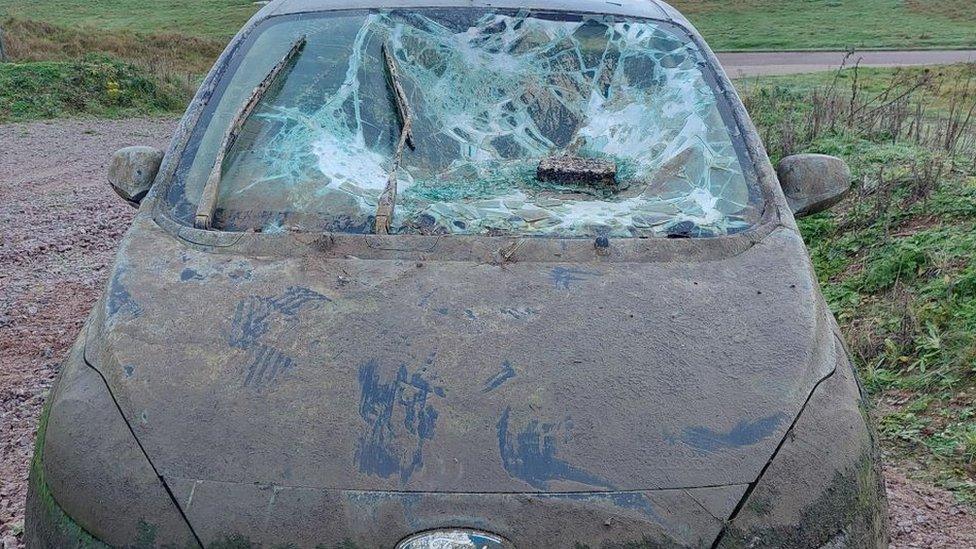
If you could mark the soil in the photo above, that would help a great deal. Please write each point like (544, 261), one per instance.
(60, 224)
(923, 516)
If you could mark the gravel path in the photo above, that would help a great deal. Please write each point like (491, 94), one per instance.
(59, 227)
(739, 65)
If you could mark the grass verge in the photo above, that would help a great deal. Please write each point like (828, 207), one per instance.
(95, 85)
(62, 71)
(160, 53)
(214, 19)
(726, 24)
(819, 24)
(897, 260)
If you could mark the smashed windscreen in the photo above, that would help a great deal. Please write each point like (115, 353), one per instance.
(523, 123)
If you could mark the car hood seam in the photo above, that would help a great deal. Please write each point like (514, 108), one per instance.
(142, 449)
(762, 472)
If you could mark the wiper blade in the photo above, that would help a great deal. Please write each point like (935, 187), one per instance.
(387, 202)
(208, 199)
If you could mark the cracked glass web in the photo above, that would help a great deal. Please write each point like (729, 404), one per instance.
(493, 93)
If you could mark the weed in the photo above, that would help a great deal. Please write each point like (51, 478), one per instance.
(896, 260)
(95, 85)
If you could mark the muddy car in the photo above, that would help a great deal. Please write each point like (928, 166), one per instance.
(462, 274)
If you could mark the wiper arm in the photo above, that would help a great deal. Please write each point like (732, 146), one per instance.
(208, 199)
(387, 202)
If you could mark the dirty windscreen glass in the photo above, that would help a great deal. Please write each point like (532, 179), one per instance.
(493, 94)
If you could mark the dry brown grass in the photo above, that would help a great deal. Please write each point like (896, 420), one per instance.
(959, 10)
(170, 54)
(934, 109)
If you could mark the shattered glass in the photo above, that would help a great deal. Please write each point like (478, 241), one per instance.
(493, 93)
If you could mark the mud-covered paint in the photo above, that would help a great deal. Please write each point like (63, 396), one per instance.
(189, 274)
(241, 541)
(842, 515)
(119, 299)
(824, 487)
(639, 365)
(563, 277)
(506, 373)
(560, 520)
(744, 433)
(147, 534)
(529, 453)
(388, 447)
(94, 486)
(252, 320)
(639, 543)
(253, 315)
(633, 501)
(519, 313)
(46, 524)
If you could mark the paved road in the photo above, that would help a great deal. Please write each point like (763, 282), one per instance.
(763, 64)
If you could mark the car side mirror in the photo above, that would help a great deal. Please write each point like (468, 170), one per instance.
(813, 183)
(132, 172)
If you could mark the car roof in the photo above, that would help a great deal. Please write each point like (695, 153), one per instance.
(653, 9)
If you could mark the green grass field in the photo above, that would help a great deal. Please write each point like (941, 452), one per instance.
(93, 86)
(726, 24)
(818, 24)
(218, 19)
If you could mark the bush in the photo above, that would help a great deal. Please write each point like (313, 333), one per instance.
(95, 85)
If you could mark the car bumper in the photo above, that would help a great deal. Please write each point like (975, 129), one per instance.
(49, 525)
(90, 486)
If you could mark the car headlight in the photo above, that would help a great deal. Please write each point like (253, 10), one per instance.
(823, 487)
(453, 539)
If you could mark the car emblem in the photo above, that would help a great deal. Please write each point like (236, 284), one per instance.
(454, 539)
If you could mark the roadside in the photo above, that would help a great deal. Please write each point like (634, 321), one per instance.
(59, 228)
(746, 64)
(60, 224)
(897, 259)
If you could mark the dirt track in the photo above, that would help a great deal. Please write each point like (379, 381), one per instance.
(774, 63)
(59, 227)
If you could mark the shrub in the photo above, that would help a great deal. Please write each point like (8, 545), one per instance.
(96, 85)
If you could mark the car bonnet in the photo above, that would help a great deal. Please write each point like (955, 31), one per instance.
(328, 370)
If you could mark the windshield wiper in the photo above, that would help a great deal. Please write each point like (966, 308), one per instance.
(208, 199)
(387, 202)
